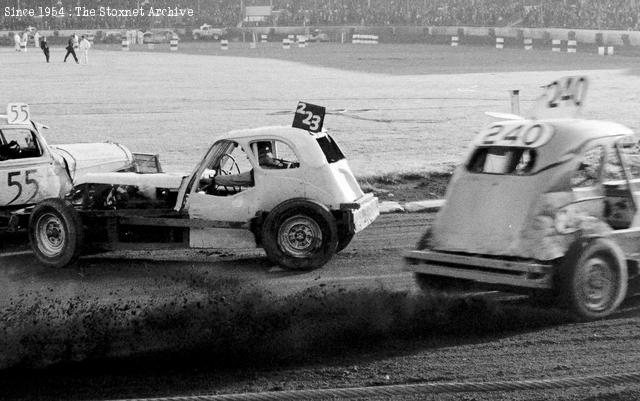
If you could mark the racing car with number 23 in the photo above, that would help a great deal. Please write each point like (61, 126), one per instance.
(288, 190)
(547, 206)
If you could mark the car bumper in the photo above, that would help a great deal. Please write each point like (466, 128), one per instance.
(480, 269)
(362, 212)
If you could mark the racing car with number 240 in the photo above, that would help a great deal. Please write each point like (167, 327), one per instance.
(547, 206)
(288, 190)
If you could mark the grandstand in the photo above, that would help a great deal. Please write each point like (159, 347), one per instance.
(571, 14)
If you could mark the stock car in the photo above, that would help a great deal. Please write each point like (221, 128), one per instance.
(545, 206)
(302, 207)
(158, 36)
(32, 171)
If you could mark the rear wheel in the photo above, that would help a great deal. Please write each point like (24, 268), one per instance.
(593, 278)
(300, 234)
(55, 233)
(344, 240)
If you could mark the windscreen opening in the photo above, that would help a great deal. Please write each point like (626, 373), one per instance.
(503, 160)
(330, 149)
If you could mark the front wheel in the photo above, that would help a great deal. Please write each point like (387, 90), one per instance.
(300, 234)
(593, 278)
(55, 233)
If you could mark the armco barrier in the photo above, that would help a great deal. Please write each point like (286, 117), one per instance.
(365, 39)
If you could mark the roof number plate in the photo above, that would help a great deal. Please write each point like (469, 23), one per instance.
(309, 117)
(18, 113)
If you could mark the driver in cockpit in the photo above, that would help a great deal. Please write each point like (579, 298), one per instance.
(245, 179)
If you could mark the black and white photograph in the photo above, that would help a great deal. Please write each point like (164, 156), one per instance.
(207, 200)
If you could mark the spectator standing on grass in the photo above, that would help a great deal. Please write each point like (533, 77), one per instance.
(45, 47)
(16, 40)
(36, 39)
(25, 40)
(84, 49)
(70, 50)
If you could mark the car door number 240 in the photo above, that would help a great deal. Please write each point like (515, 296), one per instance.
(20, 180)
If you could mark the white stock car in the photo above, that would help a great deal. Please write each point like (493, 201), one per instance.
(32, 171)
(545, 205)
(301, 212)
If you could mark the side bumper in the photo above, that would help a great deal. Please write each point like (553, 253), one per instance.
(362, 212)
(486, 270)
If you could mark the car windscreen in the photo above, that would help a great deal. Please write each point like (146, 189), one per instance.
(330, 149)
(503, 160)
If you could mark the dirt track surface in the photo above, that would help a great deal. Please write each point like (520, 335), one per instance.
(384, 123)
(559, 347)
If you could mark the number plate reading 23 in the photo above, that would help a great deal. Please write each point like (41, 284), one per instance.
(309, 117)
(530, 135)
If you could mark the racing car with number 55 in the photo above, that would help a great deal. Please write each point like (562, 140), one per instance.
(547, 206)
(32, 171)
(288, 190)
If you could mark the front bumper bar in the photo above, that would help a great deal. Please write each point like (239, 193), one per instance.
(481, 269)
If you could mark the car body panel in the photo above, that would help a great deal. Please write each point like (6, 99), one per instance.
(497, 214)
(25, 181)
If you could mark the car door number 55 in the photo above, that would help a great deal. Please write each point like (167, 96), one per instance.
(13, 180)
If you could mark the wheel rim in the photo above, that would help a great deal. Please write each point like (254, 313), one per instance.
(299, 236)
(50, 235)
(597, 286)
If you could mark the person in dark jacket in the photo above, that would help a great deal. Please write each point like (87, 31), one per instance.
(70, 50)
(45, 47)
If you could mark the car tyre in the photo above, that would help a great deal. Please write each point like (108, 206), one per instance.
(593, 278)
(300, 235)
(55, 233)
(344, 239)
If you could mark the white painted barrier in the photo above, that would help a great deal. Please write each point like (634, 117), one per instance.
(173, 45)
(572, 46)
(499, 43)
(264, 38)
(224, 44)
(286, 44)
(125, 45)
(454, 41)
(555, 45)
(528, 43)
(365, 39)
(605, 50)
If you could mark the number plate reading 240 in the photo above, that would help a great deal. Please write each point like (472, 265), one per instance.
(309, 117)
(525, 134)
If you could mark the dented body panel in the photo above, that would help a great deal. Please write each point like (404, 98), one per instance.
(498, 219)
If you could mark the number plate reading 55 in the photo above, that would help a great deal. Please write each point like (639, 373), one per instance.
(309, 117)
(18, 113)
(515, 135)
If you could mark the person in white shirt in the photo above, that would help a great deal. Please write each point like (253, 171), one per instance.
(25, 40)
(84, 50)
(16, 39)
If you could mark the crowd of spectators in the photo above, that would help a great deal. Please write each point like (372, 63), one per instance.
(576, 14)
